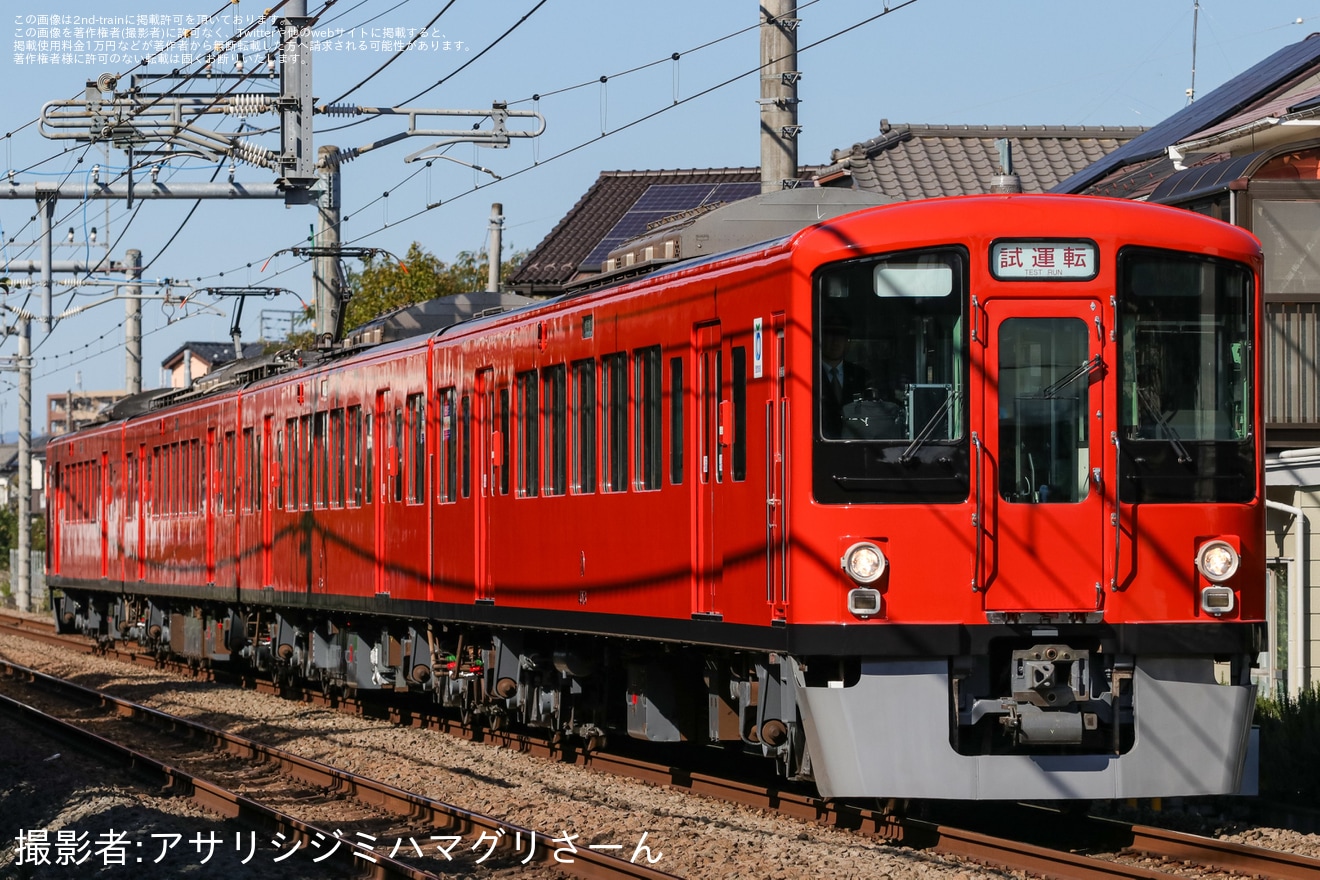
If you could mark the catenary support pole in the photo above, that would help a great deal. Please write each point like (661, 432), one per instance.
(494, 251)
(133, 323)
(326, 272)
(23, 589)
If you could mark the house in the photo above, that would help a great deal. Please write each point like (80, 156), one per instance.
(903, 162)
(908, 162)
(195, 359)
(1249, 153)
(73, 409)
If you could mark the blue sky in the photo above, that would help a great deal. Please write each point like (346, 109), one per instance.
(1054, 62)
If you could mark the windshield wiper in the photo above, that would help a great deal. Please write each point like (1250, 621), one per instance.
(1146, 399)
(929, 428)
(1087, 368)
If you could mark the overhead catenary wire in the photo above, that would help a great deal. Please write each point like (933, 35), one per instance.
(577, 147)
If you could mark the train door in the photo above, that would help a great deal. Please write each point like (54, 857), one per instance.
(379, 440)
(769, 351)
(103, 511)
(55, 517)
(710, 466)
(267, 473)
(212, 497)
(143, 484)
(1045, 441)
(489, 465)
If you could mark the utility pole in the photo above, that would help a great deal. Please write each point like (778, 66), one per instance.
(494, 250)
(779, 79)
(327, 274)
(23, 589)
(133, 323)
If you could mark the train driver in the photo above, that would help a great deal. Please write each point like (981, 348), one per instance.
(841, 380)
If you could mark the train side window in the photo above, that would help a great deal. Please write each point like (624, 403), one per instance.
(556, 430)
(447, 488)
(416, 405)
(308, 465)
(172, 478)
(584, 427)
(289, 464)
(249, 455)
(739, 413)
(504, 441)
(614, 423)
(320, 460)
(130, 487)
(337, 457)
(231, 473)
(369, 462)
(676, 426)
(529, 445)
(395, 443)
(647, 406)
(256, 472)
(185, 484)
(354, 429)
(194, 475)
(279, 469)
(467, 446)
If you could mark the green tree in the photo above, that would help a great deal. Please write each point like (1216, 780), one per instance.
(383, 284)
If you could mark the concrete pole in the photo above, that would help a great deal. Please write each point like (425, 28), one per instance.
(133, 323)
(325, 269)
(494, 252)
(47, 205)
(23, 589)
(779, 77)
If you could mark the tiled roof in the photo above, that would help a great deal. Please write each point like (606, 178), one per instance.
(904, 162)
(1258, 84)
(923, 161)
(214, 353)
(556, 259)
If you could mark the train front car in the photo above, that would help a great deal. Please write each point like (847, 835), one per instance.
(1036, 500)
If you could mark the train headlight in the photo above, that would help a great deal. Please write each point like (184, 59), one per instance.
(863, 562)
(1217, 560)
(1217, 600)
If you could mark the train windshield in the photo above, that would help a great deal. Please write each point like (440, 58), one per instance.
(890, 408)
(1185, 374)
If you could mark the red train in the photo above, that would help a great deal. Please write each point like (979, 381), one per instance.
(953, 499)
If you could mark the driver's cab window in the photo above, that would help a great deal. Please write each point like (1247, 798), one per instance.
(889, 348)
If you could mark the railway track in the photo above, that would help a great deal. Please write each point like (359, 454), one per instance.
(1115, 849)
(272, 790)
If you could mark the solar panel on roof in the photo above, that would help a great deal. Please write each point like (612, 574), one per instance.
(662, 200)
(1232, 97)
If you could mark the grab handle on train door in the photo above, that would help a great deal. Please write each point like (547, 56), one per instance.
(1117, 515)
(977, 517)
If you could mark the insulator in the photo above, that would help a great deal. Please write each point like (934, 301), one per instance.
(339, 110)
(340, 157)
(249, 105)
(246, 151)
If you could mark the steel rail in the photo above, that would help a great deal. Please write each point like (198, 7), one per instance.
(586, 863)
